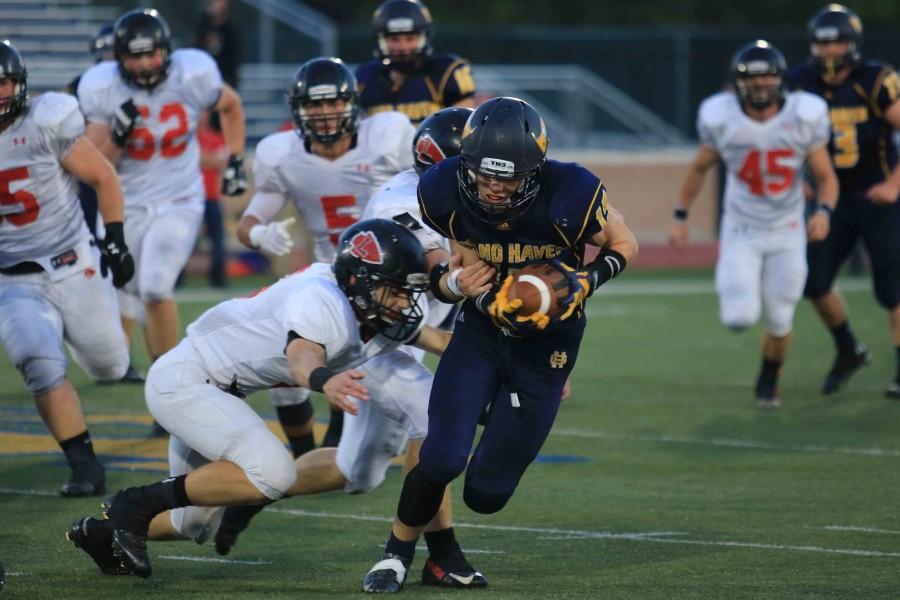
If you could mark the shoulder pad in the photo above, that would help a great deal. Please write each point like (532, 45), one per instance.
(437, 193)
(52, 108)
(810, 108)
(367, 68)
(797, 76)
(716, 110)
(98, 77)
(384, 126)
(193, 62)
(273, 148)
(577, 195)
(408, 221)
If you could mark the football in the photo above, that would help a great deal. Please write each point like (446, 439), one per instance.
(541, 287)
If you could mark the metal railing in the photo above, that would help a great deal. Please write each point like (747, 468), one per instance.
(297, 16)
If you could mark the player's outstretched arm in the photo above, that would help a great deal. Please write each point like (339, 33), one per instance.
(433, 340)
(827, 193)
(705, 158)
(231, 114)
(306, 361)
(256, 229)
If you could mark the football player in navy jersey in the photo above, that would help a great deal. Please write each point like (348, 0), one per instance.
(863, 97)
(502, 205)
(405, 76)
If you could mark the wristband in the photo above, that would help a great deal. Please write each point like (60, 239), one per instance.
(318, 377)
(680, 215)
(825, 208)
(451, 283)
(607, 265)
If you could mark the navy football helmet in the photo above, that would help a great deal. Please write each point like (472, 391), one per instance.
(835, 23)
(142, 31)
(439, 137)
(375, 256)
(324, 79)
(102, 42)
(402, 16)
(753, 60)
(505, 139)
(12, 67)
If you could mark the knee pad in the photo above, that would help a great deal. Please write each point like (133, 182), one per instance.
(197, 523)
(289, 396)
(780, 320)
(420, 499)
(738, 316)
(443, 466)
(108, 372)
(272, 470)
(370, 465)
(482, 502)
(887, 294)
(43, 374)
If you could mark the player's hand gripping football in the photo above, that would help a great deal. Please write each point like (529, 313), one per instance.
(273, 237)
(127, 117)
(579, 288)
(502, 311)
(234, 178)
(340, 390)
(114, 255)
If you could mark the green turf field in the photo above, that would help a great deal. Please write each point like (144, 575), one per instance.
(661, 479)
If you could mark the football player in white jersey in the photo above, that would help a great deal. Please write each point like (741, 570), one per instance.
(314, 329)
(142, 111)
(373, 436)
(765, 136)
(50, 292)
(328, 167)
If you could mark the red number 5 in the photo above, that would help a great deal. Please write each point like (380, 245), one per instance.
(780, 177)
(340, 213)
(142, 145)
(30, 208)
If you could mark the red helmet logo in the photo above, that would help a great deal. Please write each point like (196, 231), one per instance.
(364, 246)
(427, 150)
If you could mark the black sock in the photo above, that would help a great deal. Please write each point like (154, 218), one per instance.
(844, 338)
(897, 378)
(441, 544)
(79, 449)
(335, 427)
(769, 372)
(161, 496)
(404, 550)
(292, 419)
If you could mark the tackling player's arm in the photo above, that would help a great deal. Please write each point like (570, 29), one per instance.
(888, 190)
(306, 361)
(432, 340)
(705, 158)
(257, 230)
(827, 185)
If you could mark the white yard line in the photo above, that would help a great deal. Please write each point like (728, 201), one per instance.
(861, 529)
(216, 560)
(17, 492)
(574, 534)
(727, 443)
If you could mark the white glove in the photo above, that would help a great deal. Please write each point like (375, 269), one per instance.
(273, 238)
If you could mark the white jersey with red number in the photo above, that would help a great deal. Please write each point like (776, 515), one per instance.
(764, 187)
(331, 194)
(40, 216)
(161, 161)
(244, 339)
(398, 197)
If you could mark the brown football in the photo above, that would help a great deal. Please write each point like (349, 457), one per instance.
(541, 287)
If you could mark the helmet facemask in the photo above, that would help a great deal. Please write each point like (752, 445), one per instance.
(12, 106)
(329, 127)
(758, 96)
(145, 79)
(830, 65)
(405, 62)
(369, 292)
(497, 212)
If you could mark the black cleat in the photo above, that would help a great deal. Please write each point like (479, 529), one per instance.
(235, 520)
(386, 576)
(893, 390)
(845, 365)
(95, 538)
(767, 395)
(452, 572)
(88, 479)
(130, 524)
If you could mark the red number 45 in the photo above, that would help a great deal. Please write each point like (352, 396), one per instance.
(778, 177)
(30, 208)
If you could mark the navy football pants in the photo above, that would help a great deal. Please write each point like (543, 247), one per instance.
(879, 227)
(480, 367)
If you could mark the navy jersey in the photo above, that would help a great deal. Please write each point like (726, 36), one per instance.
(570, 208)
(443, 81)
(861, 146)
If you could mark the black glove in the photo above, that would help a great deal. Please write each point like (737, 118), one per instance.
(127, 116)
(114, 255)
(234, 179)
